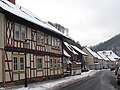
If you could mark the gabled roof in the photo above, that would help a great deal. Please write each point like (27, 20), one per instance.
(110, 55)
(96, 55)
(91, 52)
(70, 48)
(102, 55)
(27, 15)
(80, 51)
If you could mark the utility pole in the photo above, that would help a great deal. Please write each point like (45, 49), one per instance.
(25, 46)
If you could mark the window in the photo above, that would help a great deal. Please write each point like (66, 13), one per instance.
(20, 32)
(18, 63)
(59, 62)
(55, 63)
(17, 31)
(46, 39)
(42, 38)
(15, 63)
(51, 63)
(23, 33)
(38, 37)
(21, 63)
(49, 40)
(58, 43)
(53, 42)
(39, 63)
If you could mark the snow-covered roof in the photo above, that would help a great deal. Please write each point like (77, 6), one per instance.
(96, 55)
(26, 15)
(77, 62)
(69, 62)
(66, 54)
(76, 48)
(110, 55)
(91, 52)
(70, 48)
(102, 55)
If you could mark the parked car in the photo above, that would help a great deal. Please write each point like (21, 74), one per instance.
(118, 76)
(112, 69)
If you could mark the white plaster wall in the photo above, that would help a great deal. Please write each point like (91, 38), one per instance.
(2, 29)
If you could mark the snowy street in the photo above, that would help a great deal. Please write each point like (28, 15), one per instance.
(52, 84)
(103, 80)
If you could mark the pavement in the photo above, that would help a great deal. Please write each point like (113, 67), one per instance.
(52, 84)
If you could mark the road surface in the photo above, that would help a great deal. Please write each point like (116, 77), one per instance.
(103, 80)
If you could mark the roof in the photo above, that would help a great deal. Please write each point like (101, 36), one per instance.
(91, 52)
(96, 55)
(80, 51)
(26, 15)
(66, 54)
(70, 48)
(102, 55)
(110, 55)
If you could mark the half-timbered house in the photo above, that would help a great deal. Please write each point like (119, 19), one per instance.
(82, 57)
(27, 44)
(75, 66)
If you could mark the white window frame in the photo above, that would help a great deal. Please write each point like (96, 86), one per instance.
(15, 63)
(23, 30)
(39, 65)
(17, 29)
(38, 37)
(42, 39)
(18, 63)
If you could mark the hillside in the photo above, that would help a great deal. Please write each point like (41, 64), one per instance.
(111, 44)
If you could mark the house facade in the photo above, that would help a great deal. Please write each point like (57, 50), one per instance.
(94, 61)
(82, 57)
(111, 57)
(27, 44)
(75, 65)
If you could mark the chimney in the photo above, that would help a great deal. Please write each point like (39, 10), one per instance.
(12, 1)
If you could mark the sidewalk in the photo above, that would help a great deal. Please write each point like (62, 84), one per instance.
(52, 84)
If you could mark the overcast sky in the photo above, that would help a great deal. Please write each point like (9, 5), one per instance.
(89, 21)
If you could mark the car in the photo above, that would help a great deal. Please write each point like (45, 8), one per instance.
(112, 69)
(118, 76)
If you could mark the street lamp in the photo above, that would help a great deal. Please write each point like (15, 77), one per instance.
(25, 46)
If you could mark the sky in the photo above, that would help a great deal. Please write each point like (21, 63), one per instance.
(89, 21)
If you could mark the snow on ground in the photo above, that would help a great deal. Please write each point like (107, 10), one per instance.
(51, 84)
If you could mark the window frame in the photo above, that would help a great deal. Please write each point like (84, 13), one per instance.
(23, 29)
(42, 38)
(17, 37)
(51, 63)
(20, 29)
(18, 63)
(23, 64)
(38, 64)
(38, 37)
(15, 65)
